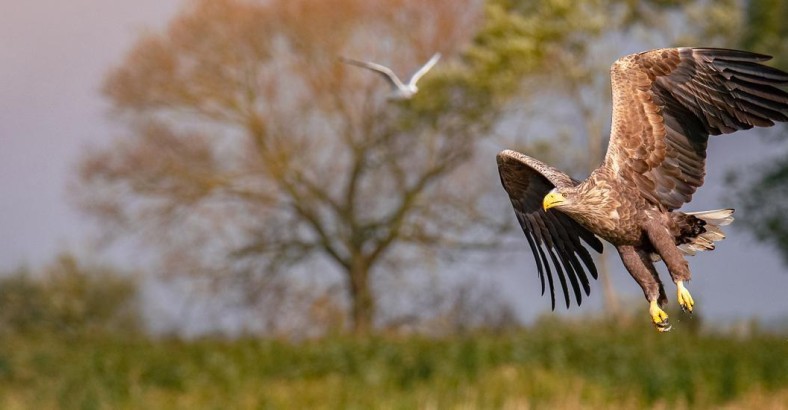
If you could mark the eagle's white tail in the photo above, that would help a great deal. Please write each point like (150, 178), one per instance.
(712, 232)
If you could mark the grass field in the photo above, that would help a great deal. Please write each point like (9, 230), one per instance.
(549, 365)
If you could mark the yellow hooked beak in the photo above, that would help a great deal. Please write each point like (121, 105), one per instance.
(552, 199)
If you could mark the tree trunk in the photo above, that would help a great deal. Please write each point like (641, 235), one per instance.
(361, 298)
(594, 135)
(611, 305)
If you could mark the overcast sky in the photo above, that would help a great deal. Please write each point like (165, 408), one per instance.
(54, 55)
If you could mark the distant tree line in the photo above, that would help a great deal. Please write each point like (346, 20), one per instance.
(69, 298)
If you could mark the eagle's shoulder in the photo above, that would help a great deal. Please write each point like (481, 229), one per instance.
(654, 63)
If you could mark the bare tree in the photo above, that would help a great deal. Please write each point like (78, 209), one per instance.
(252, 153)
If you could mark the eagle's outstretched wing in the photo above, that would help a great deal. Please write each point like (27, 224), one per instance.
(667, 102)
(527, 181)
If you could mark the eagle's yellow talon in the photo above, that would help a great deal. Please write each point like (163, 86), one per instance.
(684, 297)
(659, 317)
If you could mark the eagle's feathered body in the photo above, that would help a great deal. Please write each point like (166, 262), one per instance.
(666, 104)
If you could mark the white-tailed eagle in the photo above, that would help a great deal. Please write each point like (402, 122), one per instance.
(666, 103)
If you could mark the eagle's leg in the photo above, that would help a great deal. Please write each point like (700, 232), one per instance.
(685, 299)
(639, 265)
(678, 267)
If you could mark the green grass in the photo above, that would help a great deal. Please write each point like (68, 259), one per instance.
(552, 364)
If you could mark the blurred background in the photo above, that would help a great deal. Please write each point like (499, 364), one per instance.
(201, 204)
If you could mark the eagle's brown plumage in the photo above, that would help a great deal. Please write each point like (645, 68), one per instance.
(666, 103)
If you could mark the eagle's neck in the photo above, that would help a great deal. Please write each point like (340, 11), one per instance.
(594, 203)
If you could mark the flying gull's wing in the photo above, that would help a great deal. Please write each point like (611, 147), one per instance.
(382, 70)
(423, 70)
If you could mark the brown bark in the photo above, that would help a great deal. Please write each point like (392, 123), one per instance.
(611, 304)
(361, 297)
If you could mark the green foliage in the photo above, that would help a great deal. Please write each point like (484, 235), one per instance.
(763, 195)
(766, 30)
(518, 36)
(68, 298)
(552, 364)
(763, 199)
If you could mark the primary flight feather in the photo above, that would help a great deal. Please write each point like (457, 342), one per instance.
(666, 104)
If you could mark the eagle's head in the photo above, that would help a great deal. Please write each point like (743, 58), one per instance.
(556, 199)
(586, 203)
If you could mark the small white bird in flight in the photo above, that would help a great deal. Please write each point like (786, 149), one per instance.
(401, 91)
